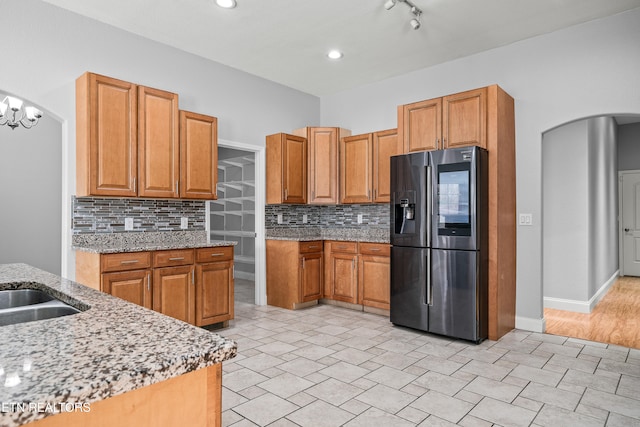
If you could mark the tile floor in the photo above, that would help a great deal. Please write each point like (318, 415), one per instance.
(330, 366)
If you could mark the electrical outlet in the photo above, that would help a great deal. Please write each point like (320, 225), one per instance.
(184, 223)
(525, 219)
(305, 218)
(128, 224)
(359, 218)
(279, 218)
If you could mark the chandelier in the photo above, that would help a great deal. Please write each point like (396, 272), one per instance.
(12, 114)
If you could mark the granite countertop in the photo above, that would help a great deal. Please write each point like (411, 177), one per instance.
(111, 348)
(104, 243)
(373, 235)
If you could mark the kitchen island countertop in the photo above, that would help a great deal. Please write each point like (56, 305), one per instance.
(111, 348)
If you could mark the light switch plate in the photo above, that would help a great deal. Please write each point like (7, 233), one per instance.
(359, 218)
(305, 218)
(184, 223)
(128, 224)
(525, 219)
(279, 218)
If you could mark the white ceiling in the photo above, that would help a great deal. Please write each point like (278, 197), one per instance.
(286, 41)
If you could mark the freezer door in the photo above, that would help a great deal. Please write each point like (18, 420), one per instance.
(456, 299)
(409, 276)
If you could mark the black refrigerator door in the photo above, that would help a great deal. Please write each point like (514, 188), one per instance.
(409, 270)
(456, 295)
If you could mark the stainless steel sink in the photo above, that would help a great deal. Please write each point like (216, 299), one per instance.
(27, 305)
(19, 297)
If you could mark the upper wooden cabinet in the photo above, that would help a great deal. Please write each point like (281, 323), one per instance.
(198, 156)
(106, 136)
(129, 143)
(457, 120)
(158, 143)
(322, 164)
(364, 166)
(286, 169)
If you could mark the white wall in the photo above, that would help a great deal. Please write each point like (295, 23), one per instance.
(584, 71)
(49, 47)
(629, 147)
(565, 240)
(31, 193)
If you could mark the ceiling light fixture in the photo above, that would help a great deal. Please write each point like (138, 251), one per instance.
(12, 115)
(335, 54)
(227, 4)
(415, 11)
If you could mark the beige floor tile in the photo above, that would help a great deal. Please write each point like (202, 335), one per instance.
(344, 371)
(551, 396)
(386, 398)
(502, 413)
(442, 406)
(495, 389)
(376, 417)
(391, 377)
(552, 416)
(286, 385)
(320, 414)
(334, 392)
(265, 409)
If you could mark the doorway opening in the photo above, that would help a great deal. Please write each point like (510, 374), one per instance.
(583, 228)
(237, 215)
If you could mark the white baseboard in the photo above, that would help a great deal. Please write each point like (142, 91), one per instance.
(578, 306)
(529, 324)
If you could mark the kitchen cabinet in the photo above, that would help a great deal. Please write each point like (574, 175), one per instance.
(106, 137)
(286, 169)
(322, 162)
(193, 285)
(342, 271)
(365, 166)
(458, 120)
(483, 117)
(129, 143)
(374, 275)
(294, 273)
(158, 143)
(214, 285)
(198, 155)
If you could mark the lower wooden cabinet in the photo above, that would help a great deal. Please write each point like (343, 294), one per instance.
(342, 271)
(133, 286)
(193, 285)
(294, 272)
(374, 275)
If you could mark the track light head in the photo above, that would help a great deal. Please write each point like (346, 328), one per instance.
(415, 11)
(389, 4)
(415, 24)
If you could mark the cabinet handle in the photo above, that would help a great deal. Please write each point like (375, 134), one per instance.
(303, 263)
(375, 193)
(313, 194)
(217, 254)
(444, 142)
(135, 185)
(353, 264)
(176, 186)
(313, 247)
(176, 258)
(437, 142)
(374, 249)
(132, 261)
(286, 194)
(193, 279)
(149, 281)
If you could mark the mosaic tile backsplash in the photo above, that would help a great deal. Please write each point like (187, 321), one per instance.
(106, 215)
(338, 216)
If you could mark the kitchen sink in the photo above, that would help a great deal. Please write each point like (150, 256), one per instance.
(27, 305)
(20, 297)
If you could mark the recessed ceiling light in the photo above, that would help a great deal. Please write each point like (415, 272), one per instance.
(335, 54)
(227, 4)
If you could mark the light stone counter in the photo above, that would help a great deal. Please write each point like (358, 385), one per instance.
(373, 235)
(111, 348)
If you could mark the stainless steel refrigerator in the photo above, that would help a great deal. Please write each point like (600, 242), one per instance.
(439, 242)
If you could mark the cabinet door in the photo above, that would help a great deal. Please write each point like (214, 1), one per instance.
(323, 165)
(294, 169)
(355, 169)
(106, 137)
(465, 119)
(421, 125)
(310, 277)
(133, 286)
(214, 292)
(385, 145)
(344, 276)
(198, 156)
(158, 148)
(173, 292)
(374, 281)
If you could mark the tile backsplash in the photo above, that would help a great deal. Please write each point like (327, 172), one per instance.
(106, 215)
(338, 216)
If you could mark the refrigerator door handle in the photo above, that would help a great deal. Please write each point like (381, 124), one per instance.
(428, 222)
(429, 284)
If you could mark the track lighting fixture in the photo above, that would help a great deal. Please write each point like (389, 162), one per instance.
(415, 11)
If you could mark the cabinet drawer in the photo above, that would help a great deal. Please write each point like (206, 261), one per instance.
(173, 258)
(219, 253)
(380, 249)
(345, 247)
(309, 247)
(125, 261)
